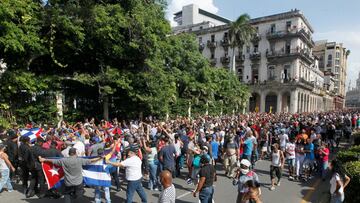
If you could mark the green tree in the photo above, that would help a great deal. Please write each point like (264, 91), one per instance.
(241, 33)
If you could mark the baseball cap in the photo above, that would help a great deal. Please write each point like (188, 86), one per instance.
(245, 162)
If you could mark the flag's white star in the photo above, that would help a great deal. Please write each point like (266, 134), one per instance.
(54, 171)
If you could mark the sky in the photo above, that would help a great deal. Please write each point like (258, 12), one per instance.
(334, 20)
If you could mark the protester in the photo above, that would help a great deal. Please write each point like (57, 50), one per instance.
(73, 178)
(133, 175)
(277, 165)
(338, 183)
(168, 194)
(243, 175)
(207, 177)
(5, 167)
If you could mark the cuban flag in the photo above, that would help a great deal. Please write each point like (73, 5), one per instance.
(97, 174)
(32, 133)
(54, 174)
(113, 131)
(94, 174)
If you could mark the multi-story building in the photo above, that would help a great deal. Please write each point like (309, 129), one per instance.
(278, 64)
(333, 57)
(353, 96)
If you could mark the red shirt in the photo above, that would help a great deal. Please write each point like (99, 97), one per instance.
(324, 156)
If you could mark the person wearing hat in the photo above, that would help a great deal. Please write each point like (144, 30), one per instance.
(207, 177)
(133, 175)
(73, 177)
(243, 175)
(5, 166)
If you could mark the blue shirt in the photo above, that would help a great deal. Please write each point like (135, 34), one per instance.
(248, 147)
(215, 149)
(310, 155)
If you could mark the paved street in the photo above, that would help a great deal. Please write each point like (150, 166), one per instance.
(296, 192)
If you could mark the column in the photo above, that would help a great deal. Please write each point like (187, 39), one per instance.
(279, 103)
(303, 103)
(262, 102)
(294, 102)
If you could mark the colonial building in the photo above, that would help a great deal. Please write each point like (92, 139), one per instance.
(333, 58)
(353, 96)
(278, 65)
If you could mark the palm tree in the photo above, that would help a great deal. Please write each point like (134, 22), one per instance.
(240, 33)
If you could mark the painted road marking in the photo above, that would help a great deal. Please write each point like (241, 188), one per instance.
(307, 196)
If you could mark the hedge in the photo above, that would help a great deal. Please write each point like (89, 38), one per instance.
(352, 190)
(347, 156)
(356, 138)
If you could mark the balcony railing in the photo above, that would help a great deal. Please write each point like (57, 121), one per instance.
(211, 44)
(225, 42)
(201, 46)
(255, 56)
(290, 54)
(213, 61)
(256, 38)
(291, 33)
(225, 60)
(240, 58)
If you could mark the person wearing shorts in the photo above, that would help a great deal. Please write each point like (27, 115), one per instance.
(290, 157)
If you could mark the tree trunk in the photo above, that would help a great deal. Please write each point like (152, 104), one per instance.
(59, 105)
(233, 61)
(106, 107)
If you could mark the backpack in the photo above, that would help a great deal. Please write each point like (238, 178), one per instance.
(196, 161)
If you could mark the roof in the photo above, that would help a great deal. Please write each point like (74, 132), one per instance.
(208, 14)
(281, 16)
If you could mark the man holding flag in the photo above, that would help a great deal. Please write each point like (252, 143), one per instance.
(72, 168)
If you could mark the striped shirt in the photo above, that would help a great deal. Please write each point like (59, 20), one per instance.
(168, 195)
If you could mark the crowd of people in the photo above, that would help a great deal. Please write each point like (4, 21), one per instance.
(159, 151)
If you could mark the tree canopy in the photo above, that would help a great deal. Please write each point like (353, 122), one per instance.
(108, 58)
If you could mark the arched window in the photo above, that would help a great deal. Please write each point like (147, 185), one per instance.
(329, 63)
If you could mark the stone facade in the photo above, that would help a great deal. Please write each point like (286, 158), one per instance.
(333, 58)
(353, 96)
(278, 65)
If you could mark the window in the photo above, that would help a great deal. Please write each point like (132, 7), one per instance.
(240, 74)
(201, 27)
(200, 40)
(247, 49)
(337, 62)
(286, 73)
(212, 38)
(212, 54)
(329, 63)
(336, 69)
(288, 26)
(273, 28)
(256, 48)
(226, 35)
(337, 55)
(288, 47)
(271, 73)
(257, 29)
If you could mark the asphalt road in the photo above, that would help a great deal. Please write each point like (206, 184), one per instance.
(225, 192)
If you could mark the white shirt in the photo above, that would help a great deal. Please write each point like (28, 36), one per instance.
(333, 180)
(132, 168)
(283, 139)
(80, 148)
(290, 149)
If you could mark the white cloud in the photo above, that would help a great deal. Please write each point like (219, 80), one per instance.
(176, 5)
(351, 40)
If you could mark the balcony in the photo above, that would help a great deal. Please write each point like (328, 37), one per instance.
(256, 38)
(213, 61)
(201, 46)
(225, 42)
(255, 56)
(211, 44)
(286, 56)
(240, 58)
(291, 33)
(275, 83)
(225, 60)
